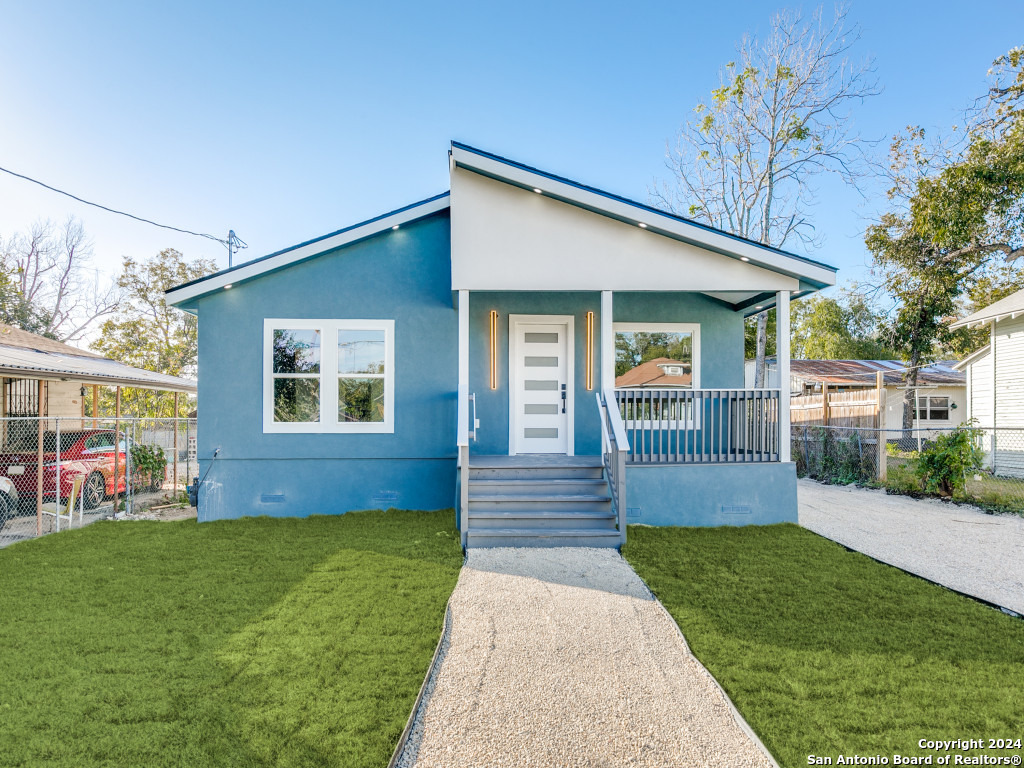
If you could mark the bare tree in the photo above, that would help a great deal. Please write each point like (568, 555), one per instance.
(746, 160)
(50, 266)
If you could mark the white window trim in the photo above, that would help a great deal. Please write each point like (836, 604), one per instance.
(694, 330)
(924, 403)
(328, 377)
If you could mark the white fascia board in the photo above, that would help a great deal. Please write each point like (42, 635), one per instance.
(975, 322)
(658, 223)
(976, 355)
(253, 269)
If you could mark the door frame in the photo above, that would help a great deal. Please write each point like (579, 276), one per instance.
(569, 321)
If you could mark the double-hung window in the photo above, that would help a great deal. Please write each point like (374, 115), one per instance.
(328, 375)
(932, 408)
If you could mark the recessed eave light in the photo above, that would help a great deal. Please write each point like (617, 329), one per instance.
(759, 306)
(642, 225)
(395, 227)
(537, 191)
(226, 287)
(744, 258)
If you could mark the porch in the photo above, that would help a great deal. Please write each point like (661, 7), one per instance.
(631, 453)
(592, 325)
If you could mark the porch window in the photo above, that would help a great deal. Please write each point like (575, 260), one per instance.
(655, 357)
(328, 376)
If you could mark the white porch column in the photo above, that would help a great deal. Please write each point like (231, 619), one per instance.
(607, 343)
(462, 434)
(782, 356)
(463, 405)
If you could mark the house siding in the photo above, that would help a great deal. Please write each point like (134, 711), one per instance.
(1009, 398)
(893, 419)
(979, 376)
(402, 275)
(1009, 361)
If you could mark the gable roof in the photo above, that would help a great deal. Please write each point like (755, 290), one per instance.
(863, 372)
(248, 270)
(651, 374)
(27, 355)
(817, 274)
(812, 275)
(1011, 306)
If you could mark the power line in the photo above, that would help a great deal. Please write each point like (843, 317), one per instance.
(112, 210)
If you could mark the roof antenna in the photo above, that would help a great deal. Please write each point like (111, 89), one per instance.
(234, 243)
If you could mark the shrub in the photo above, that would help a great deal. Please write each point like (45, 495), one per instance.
(944, 464)
(148, 463)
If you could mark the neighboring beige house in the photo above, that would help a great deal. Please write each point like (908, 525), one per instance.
(65, 374)
(995, 382)
(941, 389)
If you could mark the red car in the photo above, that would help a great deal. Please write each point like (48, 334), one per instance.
(88, 453)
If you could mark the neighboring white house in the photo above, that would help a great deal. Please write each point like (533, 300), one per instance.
(941, 395)
(995, 383)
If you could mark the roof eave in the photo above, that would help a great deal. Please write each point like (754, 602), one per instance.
(250, 270)
(181, 385)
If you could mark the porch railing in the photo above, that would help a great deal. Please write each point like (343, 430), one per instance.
(614, 451)
(702, 426)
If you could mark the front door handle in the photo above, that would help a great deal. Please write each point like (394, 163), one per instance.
(563, 398)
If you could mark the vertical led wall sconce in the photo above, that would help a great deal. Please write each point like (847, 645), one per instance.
(494, 349)
(589, 364)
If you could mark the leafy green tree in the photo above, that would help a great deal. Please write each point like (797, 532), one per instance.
(746, 161)
(993, 284)
(953, 214)
(843, 328)
(148, 334)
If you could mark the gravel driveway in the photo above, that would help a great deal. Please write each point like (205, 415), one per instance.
(957, 546)
(561, 657)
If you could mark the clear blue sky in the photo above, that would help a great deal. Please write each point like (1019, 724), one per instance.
(287, 121)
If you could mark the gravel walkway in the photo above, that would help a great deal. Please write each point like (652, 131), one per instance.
(957, 546)
(561, 657)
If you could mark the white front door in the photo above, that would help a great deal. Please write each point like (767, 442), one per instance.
(540, 411)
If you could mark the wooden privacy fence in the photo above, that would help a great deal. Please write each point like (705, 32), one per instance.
(857, 409)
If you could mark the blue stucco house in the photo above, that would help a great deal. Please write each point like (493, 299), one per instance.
(551, 360)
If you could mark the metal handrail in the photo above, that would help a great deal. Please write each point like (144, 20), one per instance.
(614, 450)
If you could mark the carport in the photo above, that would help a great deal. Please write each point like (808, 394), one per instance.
(43, 378)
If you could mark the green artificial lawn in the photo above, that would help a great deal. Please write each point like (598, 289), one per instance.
(256, 642)
(827, 652)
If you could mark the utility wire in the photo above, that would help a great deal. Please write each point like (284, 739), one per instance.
(111, 210)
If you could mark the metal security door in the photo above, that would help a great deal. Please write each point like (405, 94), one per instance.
(541, 409)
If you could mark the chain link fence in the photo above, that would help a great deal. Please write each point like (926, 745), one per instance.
(892, 458)
(59, 473)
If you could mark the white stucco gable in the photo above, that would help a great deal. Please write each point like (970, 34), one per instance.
(517, 228)
(508, 238)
